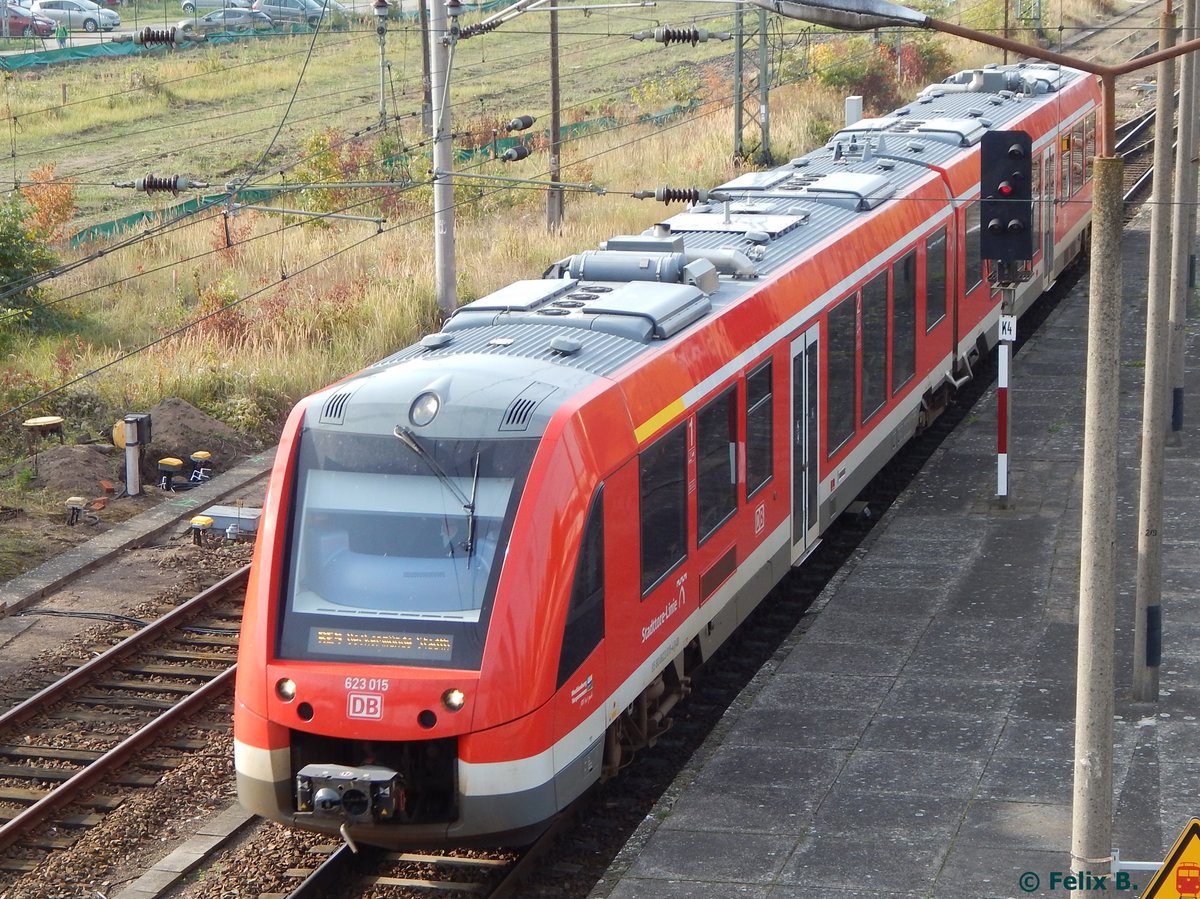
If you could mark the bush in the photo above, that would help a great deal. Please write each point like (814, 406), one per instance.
(857, 67)
(23, 256)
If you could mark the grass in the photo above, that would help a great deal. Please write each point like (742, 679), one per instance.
(209, 112)
(278, 308)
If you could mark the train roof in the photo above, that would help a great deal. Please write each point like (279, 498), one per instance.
(598, 310)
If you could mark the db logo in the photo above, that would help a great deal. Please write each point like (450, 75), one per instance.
(364, 705)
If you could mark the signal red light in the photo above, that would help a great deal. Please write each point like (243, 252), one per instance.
(1005, 188)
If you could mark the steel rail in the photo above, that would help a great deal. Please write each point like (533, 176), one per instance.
(57, 690)
(88, 777)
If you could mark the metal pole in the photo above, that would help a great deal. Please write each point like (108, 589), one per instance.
(1183, 225)
(426, 56)
(381, 26)
(1148, 598)
(739, 88)
(764, 91)
(1008, 333)
(1003, 429)
(554, 197)
(1007, 4)
(1091, 820)
(440, 42)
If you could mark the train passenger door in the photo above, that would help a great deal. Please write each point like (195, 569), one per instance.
(804, 421)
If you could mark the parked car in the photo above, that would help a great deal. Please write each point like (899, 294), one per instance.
(78, 14)
(17, 21)
(191, 6)
(227, 20)
(303, 12)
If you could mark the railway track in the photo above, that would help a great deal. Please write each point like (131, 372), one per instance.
(495, 874)
(342, 872)
(71, 743)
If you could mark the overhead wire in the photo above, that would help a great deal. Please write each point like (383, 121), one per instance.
(306, 268)
(62, 270)
(201, 319)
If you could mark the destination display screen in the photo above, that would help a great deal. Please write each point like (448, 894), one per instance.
(381, 644)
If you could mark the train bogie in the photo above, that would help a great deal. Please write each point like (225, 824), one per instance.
(490, 565)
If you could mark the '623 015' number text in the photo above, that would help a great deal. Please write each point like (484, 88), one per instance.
(376, 684)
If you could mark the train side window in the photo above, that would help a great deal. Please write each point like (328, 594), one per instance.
(1089, 151)
(1035, 187)
(662, 478)
(873, 365)
(1078, 145)
(974, 248)
(716, 463)
(904, 320)
(585, 614)
(1064, 175)
(935, 278)
(759, 428)
(840, 384)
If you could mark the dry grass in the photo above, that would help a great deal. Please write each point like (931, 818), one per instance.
(243, 330)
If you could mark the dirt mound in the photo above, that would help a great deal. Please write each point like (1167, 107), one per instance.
(77, 470)
(178, 429)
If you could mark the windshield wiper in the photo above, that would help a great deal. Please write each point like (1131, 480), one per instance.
(407, 437)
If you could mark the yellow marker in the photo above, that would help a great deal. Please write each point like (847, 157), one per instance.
(657, 420)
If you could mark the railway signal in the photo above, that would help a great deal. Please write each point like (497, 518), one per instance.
(1006, 207)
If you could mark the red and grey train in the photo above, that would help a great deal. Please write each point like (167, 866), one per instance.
(489, 564)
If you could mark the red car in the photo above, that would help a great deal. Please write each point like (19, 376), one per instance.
(16, 20)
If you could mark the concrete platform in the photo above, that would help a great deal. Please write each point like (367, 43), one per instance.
(915, 737)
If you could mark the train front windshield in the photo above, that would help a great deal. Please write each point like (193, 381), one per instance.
(394, 548)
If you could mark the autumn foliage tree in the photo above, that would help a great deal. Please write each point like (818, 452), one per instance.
(51, 203)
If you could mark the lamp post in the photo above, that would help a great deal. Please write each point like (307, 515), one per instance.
(1091, 825)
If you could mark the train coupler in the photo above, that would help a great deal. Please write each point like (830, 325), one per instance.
(355, 794)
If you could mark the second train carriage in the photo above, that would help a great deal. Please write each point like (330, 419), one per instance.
(488, 564)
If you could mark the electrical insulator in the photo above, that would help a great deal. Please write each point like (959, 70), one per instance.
(154, 184)
(478, 29)
(151, 37)
(520, 123)
(674, 195)
(512, 154)
(668, 35)
(679, 36)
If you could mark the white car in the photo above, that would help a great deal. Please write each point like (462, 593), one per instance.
(190, 6)
(78, 14)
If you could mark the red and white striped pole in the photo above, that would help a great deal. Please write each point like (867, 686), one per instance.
(1008, 333)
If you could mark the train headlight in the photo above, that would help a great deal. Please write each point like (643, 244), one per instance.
(285, 689)
(424, 409)
(454, 699)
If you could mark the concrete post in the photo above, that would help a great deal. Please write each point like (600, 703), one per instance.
(554, 196)
(1154, 403)
(440, 42)
(739, 87)
(1091, 819)
(1183, 224)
